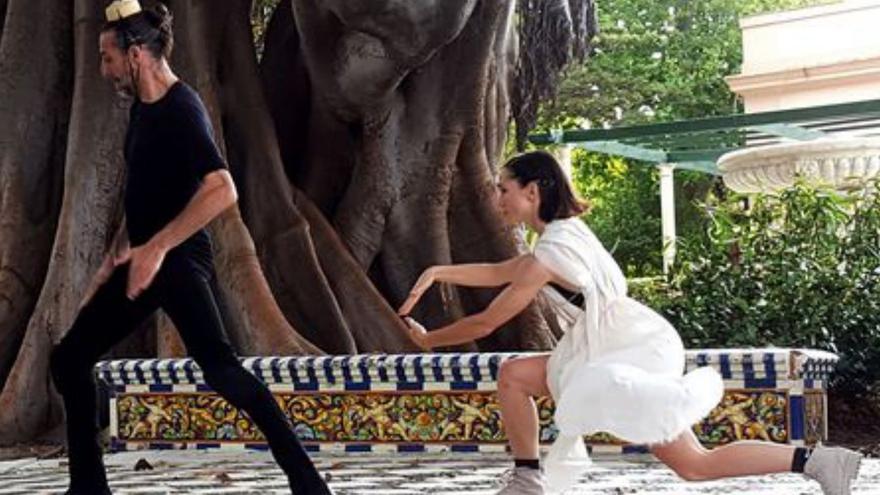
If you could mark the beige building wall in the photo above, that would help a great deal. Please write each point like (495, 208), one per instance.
(814, 56)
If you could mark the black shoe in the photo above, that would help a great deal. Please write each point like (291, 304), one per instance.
(99, 491)
(314, 487)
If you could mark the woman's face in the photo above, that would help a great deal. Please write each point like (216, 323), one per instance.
(518, 203)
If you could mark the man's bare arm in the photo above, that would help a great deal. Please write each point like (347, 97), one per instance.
(215, 194)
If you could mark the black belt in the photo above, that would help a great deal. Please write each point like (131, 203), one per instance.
(575, 298)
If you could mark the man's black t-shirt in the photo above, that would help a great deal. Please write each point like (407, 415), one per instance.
(169, 148)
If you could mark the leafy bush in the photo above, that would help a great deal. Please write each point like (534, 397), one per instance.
(653, 61)
(798, 269)
(625, 213)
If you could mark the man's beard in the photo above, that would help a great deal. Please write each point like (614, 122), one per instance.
(126, 89)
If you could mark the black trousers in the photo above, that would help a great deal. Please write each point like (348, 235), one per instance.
(182, 288)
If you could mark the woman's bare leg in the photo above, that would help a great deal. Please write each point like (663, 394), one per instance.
(519, 380)
(693, 462)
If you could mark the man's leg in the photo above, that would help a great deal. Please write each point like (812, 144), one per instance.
(188, 300)
(101, 323)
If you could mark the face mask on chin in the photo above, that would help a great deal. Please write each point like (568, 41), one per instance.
(125, 93)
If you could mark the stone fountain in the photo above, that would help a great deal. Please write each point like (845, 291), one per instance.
(841, 163)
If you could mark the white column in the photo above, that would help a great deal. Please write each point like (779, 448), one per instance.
(563, 156)
(667, 210)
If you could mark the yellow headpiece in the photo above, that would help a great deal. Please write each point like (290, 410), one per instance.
(120, 9)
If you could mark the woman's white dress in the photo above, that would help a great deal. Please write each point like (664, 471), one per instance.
(619, 366)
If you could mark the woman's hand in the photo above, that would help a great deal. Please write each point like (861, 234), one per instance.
(417, 333)
(425, 281)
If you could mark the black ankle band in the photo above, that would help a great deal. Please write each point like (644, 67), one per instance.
(529, 463)
(799, 459)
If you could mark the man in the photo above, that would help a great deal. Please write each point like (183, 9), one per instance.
(161, 257)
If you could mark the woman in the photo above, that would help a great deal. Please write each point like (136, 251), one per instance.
(617, 369)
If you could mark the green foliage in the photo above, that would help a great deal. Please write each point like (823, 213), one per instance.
(625, 209)
(798, 269)
(653, 61)
(625, 213)
(658, 61)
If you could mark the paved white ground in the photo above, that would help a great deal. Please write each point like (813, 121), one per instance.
(195, 472)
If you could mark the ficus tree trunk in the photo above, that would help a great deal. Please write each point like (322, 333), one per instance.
(364, 145)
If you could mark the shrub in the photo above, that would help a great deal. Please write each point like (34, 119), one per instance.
(801, 268)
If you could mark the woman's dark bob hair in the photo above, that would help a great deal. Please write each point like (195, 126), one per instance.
(558, 201)
(151, 28)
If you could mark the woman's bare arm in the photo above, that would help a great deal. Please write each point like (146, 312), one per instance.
(469, 275)
(478, 274)
(530, 277)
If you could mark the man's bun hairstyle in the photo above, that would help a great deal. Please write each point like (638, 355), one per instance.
(152, 28)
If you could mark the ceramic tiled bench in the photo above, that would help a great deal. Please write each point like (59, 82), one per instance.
(434, 402)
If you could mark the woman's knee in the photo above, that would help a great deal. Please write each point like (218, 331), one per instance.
(508, 376)
(521, 375)
(691, 472)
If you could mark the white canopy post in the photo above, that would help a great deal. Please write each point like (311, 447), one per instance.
(563, 156)
(667, 209)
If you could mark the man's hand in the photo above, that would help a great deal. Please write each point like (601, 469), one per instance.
(146, 260)
(425, 281)
(121, 252)
(417, 333)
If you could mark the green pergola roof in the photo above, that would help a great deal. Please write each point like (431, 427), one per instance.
(697, 144)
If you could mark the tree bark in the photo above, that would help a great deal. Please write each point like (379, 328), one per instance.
(35, 107)
(286, 87)
(401, 90)
(364, 150)
(43, 115)
(251, 312)
(2, 17)
(284, 237)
